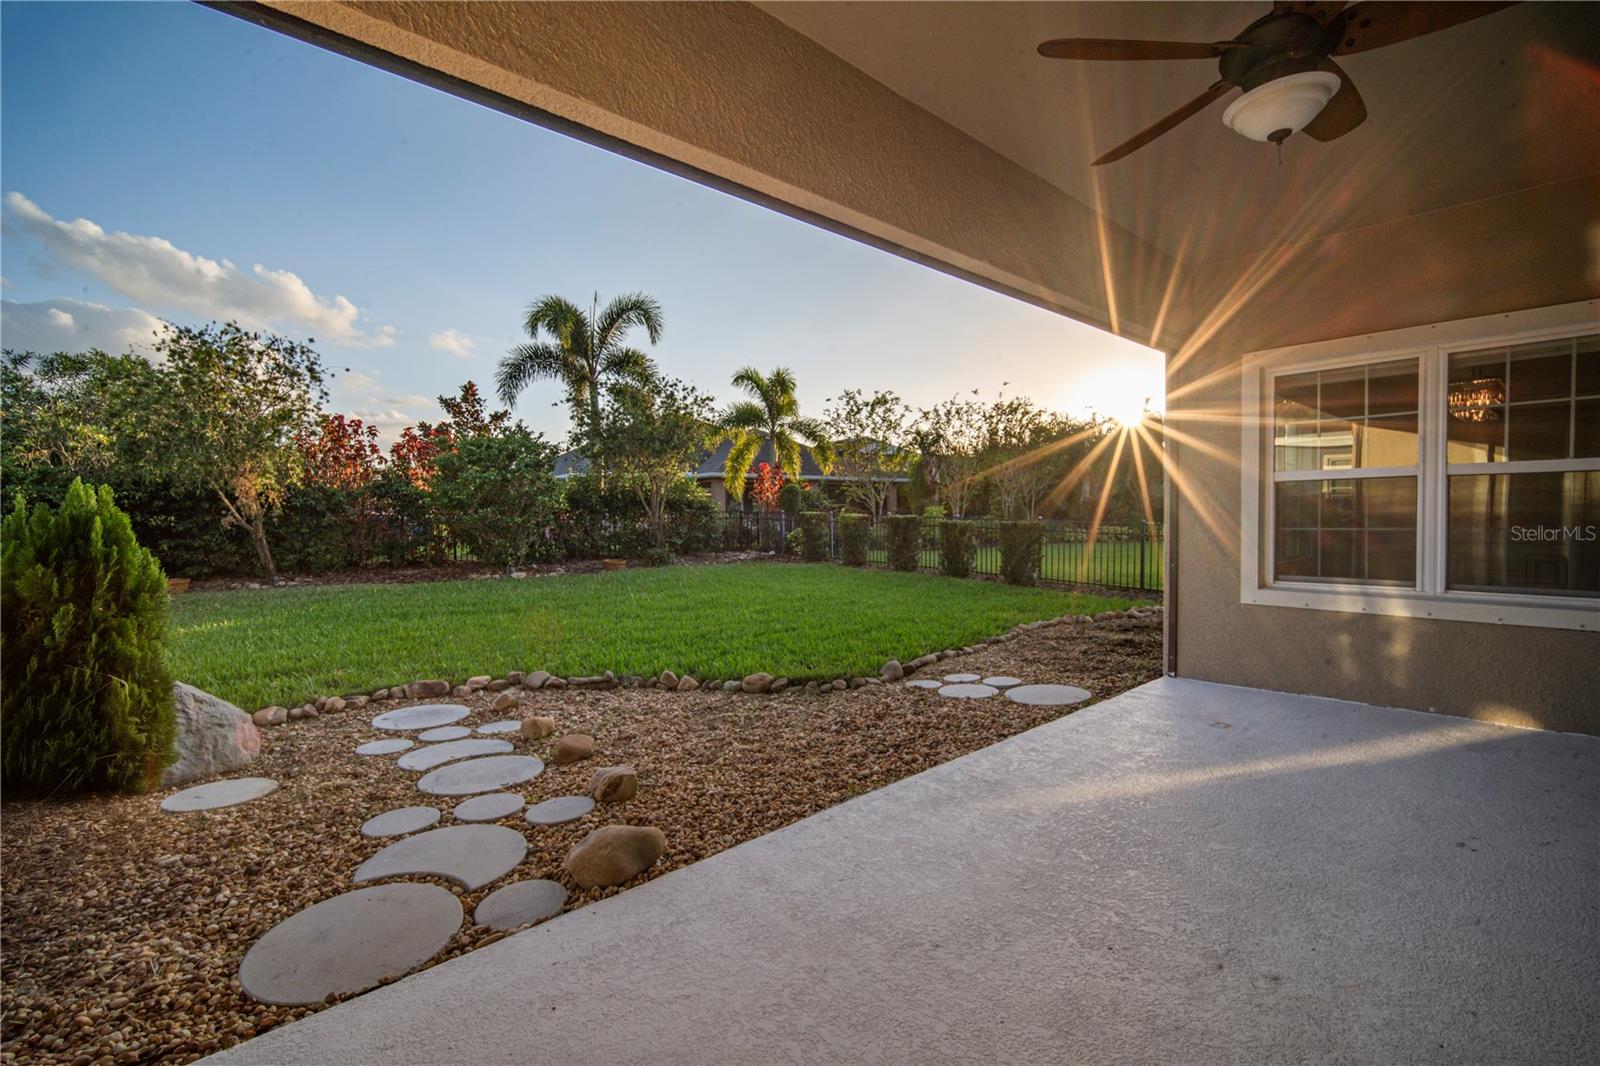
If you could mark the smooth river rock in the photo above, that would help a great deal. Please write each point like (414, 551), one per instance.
(613, 854)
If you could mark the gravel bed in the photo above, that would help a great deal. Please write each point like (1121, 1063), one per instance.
(123, 926)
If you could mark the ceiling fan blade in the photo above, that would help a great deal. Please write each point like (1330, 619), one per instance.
(1107, 48)
(1145, 136)
(1341, 114)
(1377, 23)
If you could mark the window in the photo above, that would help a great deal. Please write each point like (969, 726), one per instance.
(1345, 472)
(1450, 471)
(1523, 462)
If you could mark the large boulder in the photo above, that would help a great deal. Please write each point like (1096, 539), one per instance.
(214, 737)
(612, 854)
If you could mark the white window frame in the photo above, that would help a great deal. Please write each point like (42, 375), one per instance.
(1431, 345)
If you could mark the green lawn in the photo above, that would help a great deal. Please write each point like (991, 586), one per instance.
(259, 647)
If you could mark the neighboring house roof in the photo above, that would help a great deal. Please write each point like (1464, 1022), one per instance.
(711, 467)
(570, 464)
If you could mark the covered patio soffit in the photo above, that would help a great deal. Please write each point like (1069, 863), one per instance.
(934, 130)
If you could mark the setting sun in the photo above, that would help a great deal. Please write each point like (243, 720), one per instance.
(1126, 390)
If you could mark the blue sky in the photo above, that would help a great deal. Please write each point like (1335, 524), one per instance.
(168, 161)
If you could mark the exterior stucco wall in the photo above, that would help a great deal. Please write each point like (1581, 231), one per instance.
(1528, 250)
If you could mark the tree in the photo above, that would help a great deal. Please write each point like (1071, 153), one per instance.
(67, 411)
(771, 417)
(342, 453)
(83, 609)
(950, 437)
(586, 353)
(653, 435)
(871, 445)
(221, 412)
(498, 493)
(1027, 453)
(466, 415)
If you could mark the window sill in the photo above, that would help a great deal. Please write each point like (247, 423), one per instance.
(1545, 612)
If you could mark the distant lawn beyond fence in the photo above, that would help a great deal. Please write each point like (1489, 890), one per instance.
(284, 646)
(1121, 557)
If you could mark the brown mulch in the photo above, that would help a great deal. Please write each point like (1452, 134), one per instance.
(123, 926)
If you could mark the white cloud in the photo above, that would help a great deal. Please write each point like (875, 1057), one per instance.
(65, 325)
(453, 341)
(155, 271)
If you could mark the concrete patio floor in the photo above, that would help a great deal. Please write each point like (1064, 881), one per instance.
(1187, 872)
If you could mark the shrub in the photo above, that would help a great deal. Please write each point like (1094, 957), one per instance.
(497, 494)
(855, 535)
(958, 546)
(793, 542)
(814, 546)
(1021, 544)
(904, 535)
(653, 556)
(88, 693)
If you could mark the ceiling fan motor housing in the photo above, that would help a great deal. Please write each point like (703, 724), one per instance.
(1278, 71)
(1277, 46)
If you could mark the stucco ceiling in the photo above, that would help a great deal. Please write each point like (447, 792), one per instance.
(1508, 102)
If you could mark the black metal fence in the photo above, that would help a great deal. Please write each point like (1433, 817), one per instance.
(1070, 553)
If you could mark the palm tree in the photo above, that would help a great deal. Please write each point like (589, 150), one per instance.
(585, 352)
(772, 417)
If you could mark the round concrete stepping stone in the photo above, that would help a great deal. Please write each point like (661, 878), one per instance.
(386, 747)
(350, 943)
(926, 682)
(559, 810)
(439, 754)
(520, 903)
(444, 732)
(1048, 695)
(1002, 682)
(509, 725)
(225, 793)
(489, 774)
(399, 822)
(422, 716)
(470, 855)
(490, 808)
(968, 691)
(962, 679)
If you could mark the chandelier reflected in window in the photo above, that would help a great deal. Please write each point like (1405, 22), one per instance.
(1477, 400)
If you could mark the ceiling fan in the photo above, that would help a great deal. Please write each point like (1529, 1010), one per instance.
(1284, 63)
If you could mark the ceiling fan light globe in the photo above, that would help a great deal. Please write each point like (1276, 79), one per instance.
(1286, 103)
